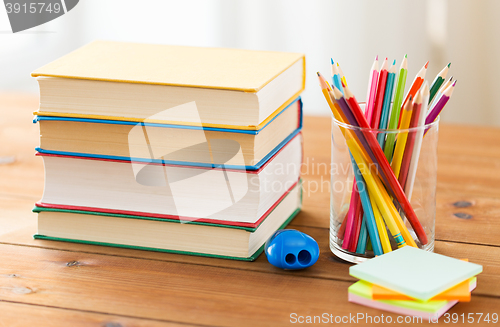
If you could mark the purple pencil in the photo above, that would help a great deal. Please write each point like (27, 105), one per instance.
(436, 110)
(352, 120)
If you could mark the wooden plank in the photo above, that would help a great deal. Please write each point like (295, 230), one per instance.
(18, 224)
(19, 314)
(15, 213)
(476, 141)
(327, 267)
(178, 292)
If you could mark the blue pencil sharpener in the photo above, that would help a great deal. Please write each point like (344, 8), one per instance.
(291, 249)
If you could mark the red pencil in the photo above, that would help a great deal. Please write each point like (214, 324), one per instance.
(341, 231)
(350, 224)
(379, 98)
(417, 83)
(410, 141)
(388, 176)
(358, 216)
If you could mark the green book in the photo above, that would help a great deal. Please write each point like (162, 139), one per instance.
(156, 234)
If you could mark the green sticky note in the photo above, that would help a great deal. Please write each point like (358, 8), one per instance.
(416, 273)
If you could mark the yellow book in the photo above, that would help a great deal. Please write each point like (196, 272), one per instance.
(212, 87)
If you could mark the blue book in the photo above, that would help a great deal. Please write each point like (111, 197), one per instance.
(170, 144)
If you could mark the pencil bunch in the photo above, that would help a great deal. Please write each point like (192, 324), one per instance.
(385, 163)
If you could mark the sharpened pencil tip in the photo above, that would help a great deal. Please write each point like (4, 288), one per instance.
(449, 65)
(394, 62)
(454, 82)
(318, 73)
(376, 58)
(426, 64)
(406, 56)
(331, 59)
(451, 79)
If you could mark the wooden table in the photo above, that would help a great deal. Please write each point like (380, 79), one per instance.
(53, 283)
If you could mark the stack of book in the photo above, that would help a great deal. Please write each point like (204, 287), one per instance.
(413, 282)
(170, 148)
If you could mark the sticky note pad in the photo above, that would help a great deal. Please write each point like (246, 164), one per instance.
(416, 273)
(361, 293)
(459, 292)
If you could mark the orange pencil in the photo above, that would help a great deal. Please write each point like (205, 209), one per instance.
(417, 83)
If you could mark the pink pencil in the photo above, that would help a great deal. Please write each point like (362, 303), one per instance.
(379, 97)
(372, 90)
(349, 227)
(354, 208)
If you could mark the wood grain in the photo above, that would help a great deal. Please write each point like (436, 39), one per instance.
(327, 267)
(173, 291)
(21, 315)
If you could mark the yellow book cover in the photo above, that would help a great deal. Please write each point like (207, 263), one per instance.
(217, 68)
(247, 71)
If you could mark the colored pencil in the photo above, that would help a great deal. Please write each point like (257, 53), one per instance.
(339, 116)
(401, 141)
(368, 218)
(410, 141)
(377, 192)
(336, 77)
(341, 73)
(355, 208)
(417, 83)
(412, 171)
(350, 225)
(341, 231)
(363, 237)
(358, 219)
(395, 112)
(384, 203)
(375, 150)
(349, 221)
(382, 231)
(440, 92)
(379, 97)
(386, 107)
(436, 110)
(372, 90)
(438, 81)
(394, 216)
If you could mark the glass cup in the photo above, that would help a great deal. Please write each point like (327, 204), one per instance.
(417, 177)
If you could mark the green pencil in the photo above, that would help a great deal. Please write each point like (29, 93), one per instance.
(396, 108)
(438, 81)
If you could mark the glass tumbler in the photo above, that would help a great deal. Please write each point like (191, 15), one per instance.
(414, 159)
